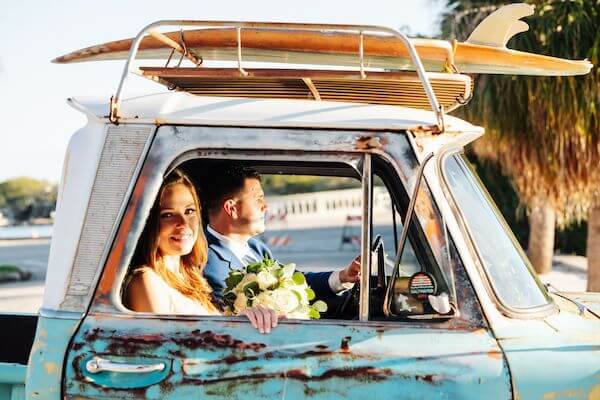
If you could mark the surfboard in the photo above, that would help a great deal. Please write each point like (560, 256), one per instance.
(378, 57)
(484, 51)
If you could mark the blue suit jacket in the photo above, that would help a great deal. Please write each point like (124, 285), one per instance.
(221, 260)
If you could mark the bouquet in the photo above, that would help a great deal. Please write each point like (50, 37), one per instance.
(273, 285)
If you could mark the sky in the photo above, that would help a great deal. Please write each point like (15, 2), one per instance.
(36, 120)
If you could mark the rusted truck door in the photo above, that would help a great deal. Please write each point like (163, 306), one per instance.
(219, 358)
(116, 353)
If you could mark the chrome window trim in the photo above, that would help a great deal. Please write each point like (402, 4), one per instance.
(511, 312)
(365, 248)
(419, 323)
(60, 314)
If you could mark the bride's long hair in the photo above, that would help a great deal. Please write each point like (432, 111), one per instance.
(192, 284)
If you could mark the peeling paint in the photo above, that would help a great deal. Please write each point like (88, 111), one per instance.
(51, 368)
(368, 142)
(574, 393)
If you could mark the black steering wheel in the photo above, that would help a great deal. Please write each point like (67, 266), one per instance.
(353, 295)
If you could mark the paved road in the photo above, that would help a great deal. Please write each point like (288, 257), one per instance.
(31, 255)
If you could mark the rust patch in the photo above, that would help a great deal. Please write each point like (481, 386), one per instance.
(234, 359)
(133, 344)
(50, 368)
(209, 339)
(368, 142)
(569, 393)
(363, 373)
(177, 353)
(432, 129)
(166, 386)
(427, 378)
(495, 354)
(77, 346)
(345, 345)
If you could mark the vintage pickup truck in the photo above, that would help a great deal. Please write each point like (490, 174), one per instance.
(451, 308)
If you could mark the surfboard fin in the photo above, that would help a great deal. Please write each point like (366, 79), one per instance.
(501, 25)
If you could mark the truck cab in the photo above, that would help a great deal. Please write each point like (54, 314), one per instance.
(448, 304)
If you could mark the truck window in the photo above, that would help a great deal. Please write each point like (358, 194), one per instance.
(506, 266)
(418, 262)
(313, 217)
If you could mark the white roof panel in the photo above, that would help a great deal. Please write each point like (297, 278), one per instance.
(185, 108)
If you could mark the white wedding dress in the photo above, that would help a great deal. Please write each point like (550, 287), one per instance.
(177, 302)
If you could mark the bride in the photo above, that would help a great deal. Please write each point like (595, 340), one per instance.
(170, 258)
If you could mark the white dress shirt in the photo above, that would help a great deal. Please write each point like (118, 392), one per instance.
(243, 250)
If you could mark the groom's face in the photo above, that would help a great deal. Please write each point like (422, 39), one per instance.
(251, 208)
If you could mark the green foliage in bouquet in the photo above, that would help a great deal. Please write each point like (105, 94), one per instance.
(271, 284)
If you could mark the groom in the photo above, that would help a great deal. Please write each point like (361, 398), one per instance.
(234, 206)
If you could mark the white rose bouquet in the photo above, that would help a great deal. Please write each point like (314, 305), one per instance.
(273, 285)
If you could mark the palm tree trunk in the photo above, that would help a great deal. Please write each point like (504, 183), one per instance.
(541, 235)
(593, 249)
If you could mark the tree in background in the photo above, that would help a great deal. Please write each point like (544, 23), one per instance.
(27, 198)
(544, 132)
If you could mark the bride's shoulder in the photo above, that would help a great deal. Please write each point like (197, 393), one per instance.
(146, 277)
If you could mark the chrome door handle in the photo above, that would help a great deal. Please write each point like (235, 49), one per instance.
(98, 364)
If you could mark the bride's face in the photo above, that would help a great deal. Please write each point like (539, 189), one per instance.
(179, 221)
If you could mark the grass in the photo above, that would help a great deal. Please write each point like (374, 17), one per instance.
(13, 273)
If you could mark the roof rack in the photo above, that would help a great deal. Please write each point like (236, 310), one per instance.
(298, 83)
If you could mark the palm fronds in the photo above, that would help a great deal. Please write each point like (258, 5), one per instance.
(543, 131)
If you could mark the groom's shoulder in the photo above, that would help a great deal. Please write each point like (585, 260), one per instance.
(257, 244)
(215, 247)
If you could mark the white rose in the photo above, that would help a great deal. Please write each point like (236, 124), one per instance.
(284, 300)
(266, 299)
(288, 271)
(300, 290)
(265, 279)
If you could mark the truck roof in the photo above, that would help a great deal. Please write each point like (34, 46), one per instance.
(187, 109)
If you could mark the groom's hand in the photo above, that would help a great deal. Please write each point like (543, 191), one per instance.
(351, 274)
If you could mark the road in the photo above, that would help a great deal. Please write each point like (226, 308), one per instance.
(31, 255)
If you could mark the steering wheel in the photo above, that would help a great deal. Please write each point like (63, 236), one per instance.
(353, 295)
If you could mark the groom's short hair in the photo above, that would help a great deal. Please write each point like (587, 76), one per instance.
(223, 182)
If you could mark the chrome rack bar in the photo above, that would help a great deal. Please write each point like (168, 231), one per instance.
(365, 254)
(387, 302)
(115, 101)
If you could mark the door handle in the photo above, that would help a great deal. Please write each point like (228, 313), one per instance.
(97, 364)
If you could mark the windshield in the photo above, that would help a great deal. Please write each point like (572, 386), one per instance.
(507, 267)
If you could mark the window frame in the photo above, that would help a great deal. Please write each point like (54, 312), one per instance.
(165, 155)
(508, 311)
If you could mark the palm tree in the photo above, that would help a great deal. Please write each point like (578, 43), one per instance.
(544, 132)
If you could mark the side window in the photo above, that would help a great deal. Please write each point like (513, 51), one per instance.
(310, 213)
(313, 221)
(420, 288)
(387, 223)
(311, 216)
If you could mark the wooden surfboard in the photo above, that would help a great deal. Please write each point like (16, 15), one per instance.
(341, 49)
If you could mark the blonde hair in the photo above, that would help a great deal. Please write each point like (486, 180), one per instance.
(192, 284)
